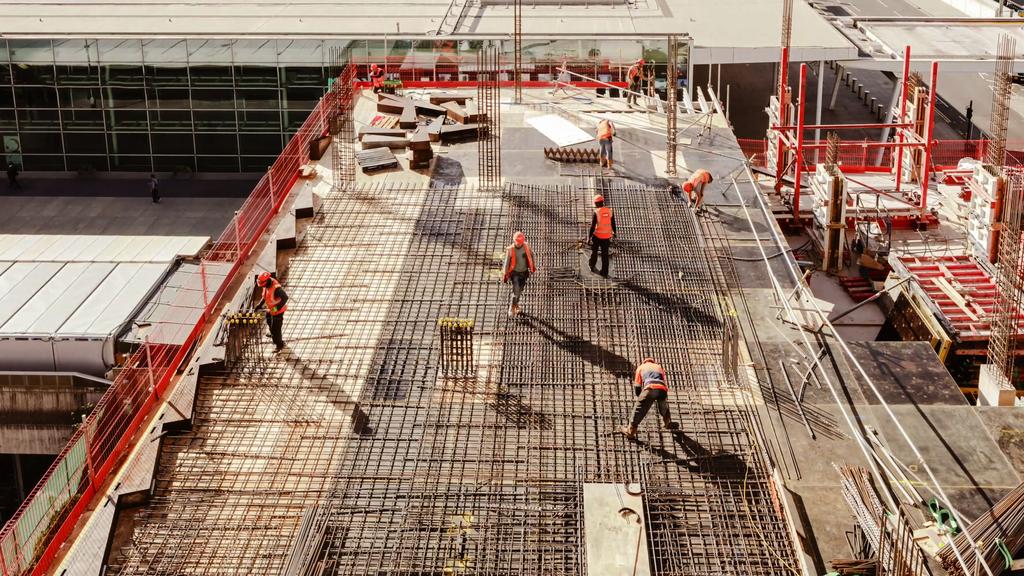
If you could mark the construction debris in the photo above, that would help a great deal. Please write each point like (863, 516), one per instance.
(376, 159)
(999, 533)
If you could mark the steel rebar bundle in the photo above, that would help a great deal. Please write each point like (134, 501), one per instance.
(488, 100)
(671, 130)
(244, 331)
(995, 154)
(1000, 531)
(456, 339)
(1006, 320)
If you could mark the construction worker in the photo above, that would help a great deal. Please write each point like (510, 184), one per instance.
(605, 136)
(602, 230)
(650, 386)
(633, 76)
(694, 187)
(377, 78)
(519, 264)
(276, 302)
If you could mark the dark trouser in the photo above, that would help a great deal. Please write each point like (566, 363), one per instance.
(12, 181)
(518, 285)
(604, 245)
(634, 86)
(155, 192)
(606, 151)
(647, 397)
(275, 323)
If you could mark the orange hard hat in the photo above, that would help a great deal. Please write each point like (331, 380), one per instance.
(373, 66)
(519, 238)
(688, 186)
(263, 278)
(599, 199)
(640, 61)
(648, 359)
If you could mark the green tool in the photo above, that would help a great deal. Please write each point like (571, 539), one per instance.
(943, 517)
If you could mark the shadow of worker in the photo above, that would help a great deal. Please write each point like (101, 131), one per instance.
(336, 395)
(599, 356)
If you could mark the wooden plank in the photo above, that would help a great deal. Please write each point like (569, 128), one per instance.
(408, 119)
(955, 296)
(458, 132)
(456, 112)
(374, 131)
(420, 139)
(373, 141)
(435, 127)
(443, 97)
(388, 105)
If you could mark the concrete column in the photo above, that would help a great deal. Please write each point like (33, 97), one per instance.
(835, 87)
(19, 477)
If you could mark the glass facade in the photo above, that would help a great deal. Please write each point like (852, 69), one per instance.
(222, 105)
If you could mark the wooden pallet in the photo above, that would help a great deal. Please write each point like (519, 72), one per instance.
(376, 159)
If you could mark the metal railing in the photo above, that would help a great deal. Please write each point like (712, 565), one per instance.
(30, 540)
(871, 153)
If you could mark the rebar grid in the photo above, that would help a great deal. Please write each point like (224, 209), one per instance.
(1005, 52)
(517, 37)
(1006, 319)
(488, 101)
(353, 454)
(342, 122)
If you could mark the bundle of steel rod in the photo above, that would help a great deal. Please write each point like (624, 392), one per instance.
(854, 567)
(244, 331)
(1000, 532)
(572, 154)
(456, 339)
(889, 535)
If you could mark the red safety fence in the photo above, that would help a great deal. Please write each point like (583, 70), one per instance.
(868, 153)
(437, 69)
(31, 539)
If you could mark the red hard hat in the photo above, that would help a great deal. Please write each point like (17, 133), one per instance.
(263, 278)
(599, 199)
(519, 238)
(688, 186)
(373, 66)
(640, 61)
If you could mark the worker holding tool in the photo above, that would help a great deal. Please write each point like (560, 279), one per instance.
(276, 302)
(377, 78)
(694, 187)
(650, 386)
(633, 76)
(519, 264)
(602, 230)
(605, 136)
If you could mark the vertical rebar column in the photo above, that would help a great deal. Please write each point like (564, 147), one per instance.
(489, 107)
(456, 338)
(342, 125)
(671, 86)
(996, 153)
(1006, 322)
(517, 37)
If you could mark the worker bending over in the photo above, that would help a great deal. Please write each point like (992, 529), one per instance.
(650, 386)
(605, 135)
(377, 78)
(602, 230)
(276, 302)
(694, 187)
(633, 76)
(519, 264)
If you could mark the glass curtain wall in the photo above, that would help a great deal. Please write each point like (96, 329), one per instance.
(228, 105)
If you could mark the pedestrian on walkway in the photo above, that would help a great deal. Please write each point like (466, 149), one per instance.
(605, 135)
(602, 230)
(154, 188)
(694, 187)
(519, 264)
(650, 385)
(275, 300)
(12, 176)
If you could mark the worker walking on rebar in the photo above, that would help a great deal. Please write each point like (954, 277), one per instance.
(377, 78)
(694, 187)
(651, 387)
(633, 77)
(605, 136)
(276, 302)
(519, 264)
(602, 230)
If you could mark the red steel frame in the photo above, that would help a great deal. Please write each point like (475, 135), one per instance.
(31, 539)
(795, 142)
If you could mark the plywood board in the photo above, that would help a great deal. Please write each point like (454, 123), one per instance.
(559, 130)
(615, 531)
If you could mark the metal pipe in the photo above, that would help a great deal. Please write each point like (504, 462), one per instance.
(930, 129)
(798, 170)
(842, 126)
(903, 116)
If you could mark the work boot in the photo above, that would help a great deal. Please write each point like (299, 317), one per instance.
(668, 424)
(515, 309)
(629, 431)
(511, 310)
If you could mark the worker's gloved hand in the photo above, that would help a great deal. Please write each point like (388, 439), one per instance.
(637, 390)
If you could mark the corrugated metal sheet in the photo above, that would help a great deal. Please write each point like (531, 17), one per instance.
(84, 248)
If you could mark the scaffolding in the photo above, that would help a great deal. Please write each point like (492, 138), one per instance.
(1005, 52)
(488, 99)
(1006, 320)
(517, 40)
(672, 130)
(354, 454)
(342, 122)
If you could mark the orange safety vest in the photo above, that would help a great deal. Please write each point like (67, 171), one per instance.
(377, 77)
(603, 230)
(651, 375)
(271, 301)
(605, 130)
(512, 259)
(633, 73)
(700, 177)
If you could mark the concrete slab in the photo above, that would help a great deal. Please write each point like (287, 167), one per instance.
(613, 524)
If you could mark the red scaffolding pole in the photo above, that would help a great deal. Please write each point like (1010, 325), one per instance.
(903, 116)
(799, 142)
(929, 136)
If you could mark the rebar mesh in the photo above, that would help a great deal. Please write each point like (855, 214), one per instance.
(1005, 52)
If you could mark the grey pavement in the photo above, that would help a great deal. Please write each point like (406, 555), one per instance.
(107, 215)
(221, 186)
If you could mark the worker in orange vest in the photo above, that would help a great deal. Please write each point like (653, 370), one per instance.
(602, 230)
(694, 187)
(519, 264)
(650, 384)
(276, 302)
(605, 136)
(377, 78)
(633, 76)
